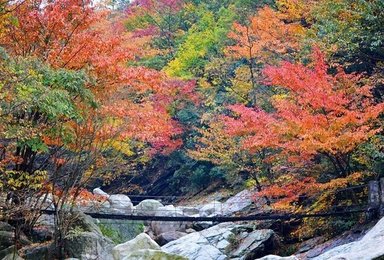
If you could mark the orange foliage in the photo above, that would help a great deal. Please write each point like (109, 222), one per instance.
(73, 34)
(288, 190)
(320, 115)
(147, 118)
(145, 122)
(266, 35)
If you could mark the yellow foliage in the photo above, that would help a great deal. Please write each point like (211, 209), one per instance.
(15, 180)
(242, 82)
(215, 145)
(295, 10)
(123, 147)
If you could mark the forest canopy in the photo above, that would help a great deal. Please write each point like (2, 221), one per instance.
(282, 96)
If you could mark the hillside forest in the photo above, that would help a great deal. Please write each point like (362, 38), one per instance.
(174, 97)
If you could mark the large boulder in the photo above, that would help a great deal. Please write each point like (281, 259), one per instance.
(159, 227)
(254, 244)
(147, 207)
(100, 192)
(142, 241)
(223, 241)
(85, 240)
(310, 244)
(239, 202)
(150, 254)
(205, 244)
(189, 211)
(120, 204)
(88, 246)
(196, 251)
(368, 247)
(7, 240)
(214, 208)
(84, 222)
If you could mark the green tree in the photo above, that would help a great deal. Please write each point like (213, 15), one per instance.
(204, 39)
(351, 31)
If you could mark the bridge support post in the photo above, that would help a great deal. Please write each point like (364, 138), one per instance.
(374, 196)
(381, 193)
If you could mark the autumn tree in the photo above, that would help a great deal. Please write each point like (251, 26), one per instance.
(317, 114)
(77, 97)
(85, 38)
(266, 38)
(38, 109)
(332, 114)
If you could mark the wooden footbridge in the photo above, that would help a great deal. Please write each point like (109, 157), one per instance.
(373, 206)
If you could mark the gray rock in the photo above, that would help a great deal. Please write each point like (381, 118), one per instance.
(7, 251)
(275, 257)
(85, 240)
(202, 245)
(147, 207)
(213, 208)
(142, 241)
(369, 247)
(46, 221)
(255, 244)
(88, 246)
(150, 254)
(201, 225)
(44, 201)
(85, 223)
(165, 238)
(4, 226)
(120, 204)
(159, 227)
(100, 192)
(189, 211)
(310, 243)
(200, 252)
(190, 230)
(39, 252)
(7, 239)
(239, 202)
(223, 241)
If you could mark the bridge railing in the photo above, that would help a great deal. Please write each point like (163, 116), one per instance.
(374, 207)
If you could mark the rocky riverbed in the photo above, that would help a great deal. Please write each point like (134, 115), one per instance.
(92, 239)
